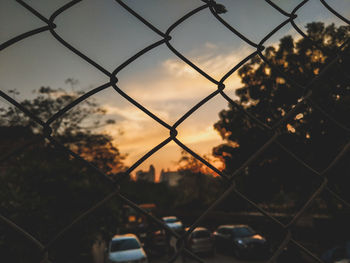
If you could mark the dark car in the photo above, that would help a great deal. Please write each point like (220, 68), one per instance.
(153, 238)
(157, 242)
(339, 253)
(201, 241)
(242, 240)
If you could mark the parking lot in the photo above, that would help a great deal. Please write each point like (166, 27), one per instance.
(239, 244)
(217, 258)
(99, 257)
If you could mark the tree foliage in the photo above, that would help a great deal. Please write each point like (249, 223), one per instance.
(199, 185)
(77, 129)
(268, 95)
(43, 189)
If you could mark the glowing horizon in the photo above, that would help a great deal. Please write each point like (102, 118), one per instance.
(142, 133)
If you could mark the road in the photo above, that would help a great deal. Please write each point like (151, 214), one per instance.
(219, 258)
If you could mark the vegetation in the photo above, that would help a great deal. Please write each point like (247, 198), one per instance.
(198, 187)
(276, 177)
(42, 188)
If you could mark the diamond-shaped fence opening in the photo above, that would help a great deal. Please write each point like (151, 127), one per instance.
(313, 78)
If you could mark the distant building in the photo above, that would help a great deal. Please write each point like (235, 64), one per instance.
(148, 176)
(170, 177)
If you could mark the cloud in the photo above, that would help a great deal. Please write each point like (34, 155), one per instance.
(179, 68)
(174, 80)
(176, 88)
(209, 45)
(167, 88)
(210, 58)
(132, 113)
(195, 136)
(134, 133)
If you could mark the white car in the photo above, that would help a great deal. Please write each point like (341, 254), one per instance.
(126, 248)
(173, 222)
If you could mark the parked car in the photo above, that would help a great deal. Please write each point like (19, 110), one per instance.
(159, 238)
(201, 241)
(156, 242)
(126, 248)
(174, 223)
(242, 240)
(337, 254)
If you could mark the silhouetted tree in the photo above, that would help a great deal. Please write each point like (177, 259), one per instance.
(267, 95)
(76, 129)
(198, 186)
(42, 188)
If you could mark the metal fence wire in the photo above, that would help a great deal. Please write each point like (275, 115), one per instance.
(275, 130)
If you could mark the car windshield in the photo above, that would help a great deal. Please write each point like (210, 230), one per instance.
(242, 232)
(171, 220)
(201, 234)
(124, 244)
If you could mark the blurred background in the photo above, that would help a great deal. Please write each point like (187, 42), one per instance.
(46, 184)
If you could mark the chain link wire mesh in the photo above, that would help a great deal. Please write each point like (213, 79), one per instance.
(274, 131)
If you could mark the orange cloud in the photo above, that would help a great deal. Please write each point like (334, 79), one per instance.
(169, 98)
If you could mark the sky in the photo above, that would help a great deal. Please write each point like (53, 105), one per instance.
(159, 80)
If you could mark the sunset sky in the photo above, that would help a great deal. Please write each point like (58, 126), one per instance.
(159, 80)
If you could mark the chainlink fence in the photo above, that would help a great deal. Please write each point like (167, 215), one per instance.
(275, 130)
